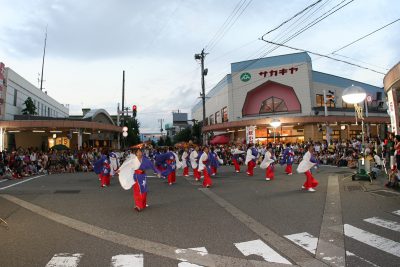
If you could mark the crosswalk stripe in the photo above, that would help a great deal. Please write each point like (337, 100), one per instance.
(391, 225)
(397, 212)
(64, 260)
(258, 247)
(304, 240)
(127, 260)
(202, 251)
(373, 240)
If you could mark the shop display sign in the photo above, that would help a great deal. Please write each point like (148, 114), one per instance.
(250, 134)
(245, 77)
(283, 71)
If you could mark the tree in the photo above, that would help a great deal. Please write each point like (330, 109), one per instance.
(30, 108)
(184, 135)
(133, 137)
(168, 141)
(160, 142)
(196, 132)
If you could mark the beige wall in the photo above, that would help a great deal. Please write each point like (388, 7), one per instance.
(29, 139)
(300, 81)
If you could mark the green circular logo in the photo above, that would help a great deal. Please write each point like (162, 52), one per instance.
(245, 77)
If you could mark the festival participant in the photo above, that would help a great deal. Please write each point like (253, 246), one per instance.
(185, 162)
(204, 166)
(288, 158)
(268, 164)
(133, 173)
(215, 161)
(114, 164)
(305, 166)
(194, 162)
(103, 169)
(251, 156)
(236, 154)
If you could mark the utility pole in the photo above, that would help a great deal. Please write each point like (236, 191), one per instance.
(44, 53)
(161, 122)
(204, 72)
(123, 96)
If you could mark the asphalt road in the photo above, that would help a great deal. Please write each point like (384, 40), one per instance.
(240, 221)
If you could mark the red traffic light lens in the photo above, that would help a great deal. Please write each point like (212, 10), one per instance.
(134, 107)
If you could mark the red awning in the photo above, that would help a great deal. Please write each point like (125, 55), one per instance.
(220, 140)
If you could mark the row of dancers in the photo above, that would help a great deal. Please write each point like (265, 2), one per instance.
(204, 162)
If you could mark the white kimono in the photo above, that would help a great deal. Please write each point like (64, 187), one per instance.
(249, 156)
(203, 157)
(184, 159)
(113, 165)
(126, 172)
(268, 160)
(178, 163)
(306, 163)
(193, 157)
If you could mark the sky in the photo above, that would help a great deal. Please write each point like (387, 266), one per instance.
(90, 43)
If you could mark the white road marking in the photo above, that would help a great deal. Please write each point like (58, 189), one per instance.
(349, 254)
(397, 212)
(376, 241)
(4, 180)
(23, 181)
(304, 240)
(201, 251)
(258, 247)
(64, 260)
(391, 225)
(128, 260)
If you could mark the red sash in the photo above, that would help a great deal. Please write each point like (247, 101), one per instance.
(139, 172)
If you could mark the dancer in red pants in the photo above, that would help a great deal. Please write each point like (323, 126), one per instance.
(236, 154)
(138, 164)
(204, 165)
(305, 166)
(251, 157)
(185, 162)
(268, 164)
(194, 162)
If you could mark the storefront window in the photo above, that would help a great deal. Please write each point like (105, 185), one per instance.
(217, 117)
(224, 114)
(320, 102)
(272, 105)
(211, 119)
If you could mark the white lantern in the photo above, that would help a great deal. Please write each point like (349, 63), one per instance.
(354, 95)
(125, 134)
(275, 123)
(124, 129)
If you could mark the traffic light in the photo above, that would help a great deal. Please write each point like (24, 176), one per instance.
(134, 110)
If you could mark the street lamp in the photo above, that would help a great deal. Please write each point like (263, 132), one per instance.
(356, 95)
(275, 123)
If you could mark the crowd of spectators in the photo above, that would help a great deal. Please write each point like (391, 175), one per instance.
(26, 162)
(22, 163)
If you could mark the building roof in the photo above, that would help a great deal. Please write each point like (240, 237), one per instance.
(94, 112)
(337, 81)
(270, 62)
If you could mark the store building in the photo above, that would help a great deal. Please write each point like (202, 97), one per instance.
(52, 124)
(391, 84)
(286, 88)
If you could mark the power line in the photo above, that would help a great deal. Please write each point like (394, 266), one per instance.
(365, 36)
(326, 56)
(313, 23)
(297, 14)
(225, 28)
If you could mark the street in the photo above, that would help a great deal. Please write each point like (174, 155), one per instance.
(68, 220)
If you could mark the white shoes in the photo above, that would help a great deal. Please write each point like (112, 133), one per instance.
(290, 174)
(237, 171)
(311, 190)
(302, 187)
(268, 179)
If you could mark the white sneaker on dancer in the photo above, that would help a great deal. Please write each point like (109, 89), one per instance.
(311, 190)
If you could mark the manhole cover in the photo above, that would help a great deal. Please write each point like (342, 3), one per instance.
(354, 188)
(386, 193)
(67, 191)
